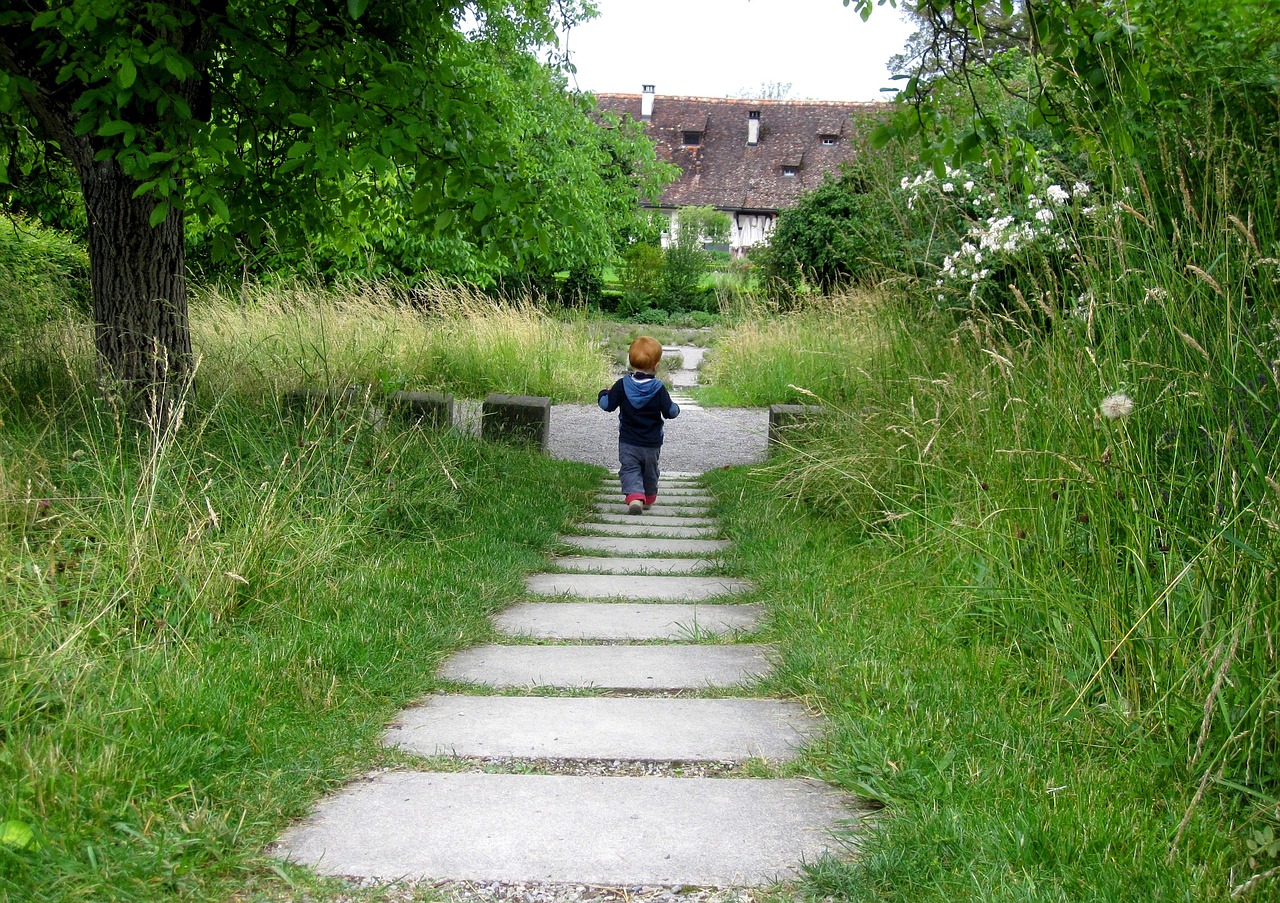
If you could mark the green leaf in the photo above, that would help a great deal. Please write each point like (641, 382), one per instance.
(115, 127)
(18, 835)
(159, 213)
(128, 73)
(357, 7)
(302, 120)
(422, 200)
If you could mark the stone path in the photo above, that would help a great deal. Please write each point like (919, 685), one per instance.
(632, 651)
(653, 649)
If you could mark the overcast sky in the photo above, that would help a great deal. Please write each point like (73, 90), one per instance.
(717, 48)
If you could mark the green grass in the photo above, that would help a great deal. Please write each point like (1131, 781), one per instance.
(261, 339)
(993, 786)
(202, 635)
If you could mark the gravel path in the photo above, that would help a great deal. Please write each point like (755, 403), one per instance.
(698, 440)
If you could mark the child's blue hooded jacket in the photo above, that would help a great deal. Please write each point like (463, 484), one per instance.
(643, 403)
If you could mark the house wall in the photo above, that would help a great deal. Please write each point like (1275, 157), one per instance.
(745, 229)
(750, 229)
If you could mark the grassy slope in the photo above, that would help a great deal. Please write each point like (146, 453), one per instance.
(992, 792)
(195, 651)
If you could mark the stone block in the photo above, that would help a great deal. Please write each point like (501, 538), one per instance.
(431, 409)
(783, 417)
(311, 401)
(516, 418)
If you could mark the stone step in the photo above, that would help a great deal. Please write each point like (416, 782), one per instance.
(626, 586)
(625, 620)
(656, 520)
(660, 509)
(674, 496)
(610, 667)
(636, 529)
(610, 831)
(624, 729)
(621, 545)
(583, 564)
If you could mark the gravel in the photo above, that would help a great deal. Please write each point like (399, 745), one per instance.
(543, 892)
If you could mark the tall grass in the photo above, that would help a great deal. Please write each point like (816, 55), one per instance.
(1132, 550)
(203, 631)
(445, 336)
(819, 350)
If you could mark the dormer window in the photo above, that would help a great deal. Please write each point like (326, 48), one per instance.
(830, 140)
(791, 170)
(691, 139)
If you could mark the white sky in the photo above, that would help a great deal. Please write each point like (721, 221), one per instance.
(717, 48)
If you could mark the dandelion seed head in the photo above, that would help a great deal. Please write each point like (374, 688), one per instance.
(1116, 406)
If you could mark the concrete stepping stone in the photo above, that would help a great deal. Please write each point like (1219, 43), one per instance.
(660, 509)
(656, 520)
(700, 832)
(610, 667)
(625, 729)
(623, 545)
(666, 481)
(628, 529)
(661, 588)
(625, 620)
(672, 496)
(587, 565)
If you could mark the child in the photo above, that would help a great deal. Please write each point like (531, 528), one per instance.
(642, 402)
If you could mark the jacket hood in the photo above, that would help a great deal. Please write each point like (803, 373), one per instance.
(640, 391)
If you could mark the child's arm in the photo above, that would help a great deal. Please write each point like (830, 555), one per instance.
(671, 410)
(608, 399)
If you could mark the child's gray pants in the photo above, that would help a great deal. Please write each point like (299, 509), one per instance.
(638, 471)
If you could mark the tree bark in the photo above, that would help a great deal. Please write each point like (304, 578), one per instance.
(140, 317)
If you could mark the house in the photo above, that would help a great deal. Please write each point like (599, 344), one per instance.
(750, 158)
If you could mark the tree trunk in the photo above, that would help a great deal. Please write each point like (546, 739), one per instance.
(141, 324)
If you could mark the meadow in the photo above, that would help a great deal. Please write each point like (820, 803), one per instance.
(1025, 565)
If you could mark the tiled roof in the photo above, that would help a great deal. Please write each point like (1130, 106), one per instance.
(723, 170)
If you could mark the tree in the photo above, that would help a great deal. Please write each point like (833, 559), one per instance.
(232, 111)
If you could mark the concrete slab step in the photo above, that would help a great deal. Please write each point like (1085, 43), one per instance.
(672, 496)
(656, 520)
(588, 565)
(610, 667)
(700, 832)
(622, 545)
(638, 529)
(660, 509)
(625, 620)
(627, 728)
(664, 482)
(658, 588)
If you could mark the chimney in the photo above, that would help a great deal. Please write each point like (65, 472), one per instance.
(646, 103)
(753, 128)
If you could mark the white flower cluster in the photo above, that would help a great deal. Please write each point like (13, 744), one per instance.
(1000, 234)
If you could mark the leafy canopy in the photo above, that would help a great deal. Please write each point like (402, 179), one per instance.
(418, 132)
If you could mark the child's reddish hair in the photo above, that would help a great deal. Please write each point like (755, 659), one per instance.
(644, 354)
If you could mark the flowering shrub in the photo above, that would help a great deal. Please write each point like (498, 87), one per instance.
(1006, 242)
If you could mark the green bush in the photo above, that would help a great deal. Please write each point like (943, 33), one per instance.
(44, 276)
(841, 232)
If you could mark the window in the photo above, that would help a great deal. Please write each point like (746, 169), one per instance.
(829, 140)
(790, 170)
(692, 139)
